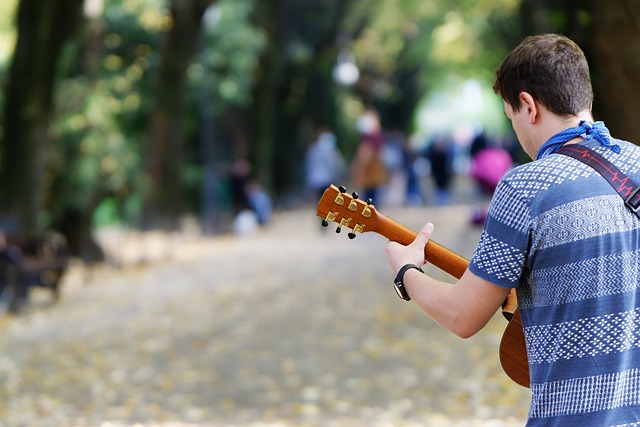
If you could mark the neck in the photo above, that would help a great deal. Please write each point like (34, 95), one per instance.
(560, 123)
(585, 130)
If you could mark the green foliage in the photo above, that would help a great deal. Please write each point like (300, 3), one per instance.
(8, 10)
(91, 156)
(229, 55)
(102, 104)
(441, 37)
(403, 48)
(408, 49)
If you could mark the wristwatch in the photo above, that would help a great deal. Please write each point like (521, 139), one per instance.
(398, 284)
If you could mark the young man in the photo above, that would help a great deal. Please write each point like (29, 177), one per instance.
(559, 233)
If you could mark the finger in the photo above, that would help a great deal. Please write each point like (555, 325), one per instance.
(424, 235)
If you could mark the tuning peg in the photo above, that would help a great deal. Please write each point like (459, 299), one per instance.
(330, 217)
(343, 222)
(366, 212)
(339, 197)
(356, 229)
(353, 206)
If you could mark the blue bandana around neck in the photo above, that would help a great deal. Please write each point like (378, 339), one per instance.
(586, 130)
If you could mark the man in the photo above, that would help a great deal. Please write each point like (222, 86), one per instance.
(558, 233)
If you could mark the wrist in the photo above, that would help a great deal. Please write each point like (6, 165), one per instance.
(398, 282)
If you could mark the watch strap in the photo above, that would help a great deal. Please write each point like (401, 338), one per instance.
(398, 282)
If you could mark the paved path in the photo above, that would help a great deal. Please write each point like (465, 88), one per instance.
(290, 327)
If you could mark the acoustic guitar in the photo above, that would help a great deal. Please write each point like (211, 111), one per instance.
(336, 205)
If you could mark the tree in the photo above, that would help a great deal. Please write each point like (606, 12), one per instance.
(28, 107)
(294, 90)
(164, 202)
(614, 48)
(102, 106)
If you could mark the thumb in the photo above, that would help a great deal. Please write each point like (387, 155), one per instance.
(424, 235)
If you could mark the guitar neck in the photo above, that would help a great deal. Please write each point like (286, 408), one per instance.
(434, 253)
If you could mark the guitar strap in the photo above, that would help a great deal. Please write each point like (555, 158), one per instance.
(624, 186)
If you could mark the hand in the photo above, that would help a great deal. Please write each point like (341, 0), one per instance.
(399, 255)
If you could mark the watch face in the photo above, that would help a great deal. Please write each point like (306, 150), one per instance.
(397, 289)
(401, 291)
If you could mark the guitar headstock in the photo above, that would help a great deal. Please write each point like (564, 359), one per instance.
(336, 205)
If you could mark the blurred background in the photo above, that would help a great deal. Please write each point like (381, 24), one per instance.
(223, 119)
(135, 112)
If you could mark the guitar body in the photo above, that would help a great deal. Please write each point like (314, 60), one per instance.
(336, 205)
(513, 352)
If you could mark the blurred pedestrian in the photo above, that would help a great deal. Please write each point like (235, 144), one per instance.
(488, 165)
(259, 201)
(368, 170)
(478, 144)
(393, 159)
(413, 194)
(252, 206)
(239, 176)
(440, 155)
(324, 163)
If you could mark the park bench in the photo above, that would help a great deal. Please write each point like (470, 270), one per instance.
(41, 263)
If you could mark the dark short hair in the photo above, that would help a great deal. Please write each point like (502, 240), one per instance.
(552, 69)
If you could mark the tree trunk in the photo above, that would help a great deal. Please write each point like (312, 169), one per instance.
(291, 96)
(41, 36)
(615, 62)
(164, 154)
(272, 65)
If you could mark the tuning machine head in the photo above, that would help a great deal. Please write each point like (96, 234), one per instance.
(347, 210)
(344, 222)
(358, 228)
(331, 216)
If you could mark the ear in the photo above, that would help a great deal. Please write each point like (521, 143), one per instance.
(530, 106)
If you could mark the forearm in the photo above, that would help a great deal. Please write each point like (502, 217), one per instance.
(441, 302)
(463, 308)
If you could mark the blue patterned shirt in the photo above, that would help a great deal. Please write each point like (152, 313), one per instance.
(559, 233)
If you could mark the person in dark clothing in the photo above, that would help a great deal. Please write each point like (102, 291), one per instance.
(440, 157)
